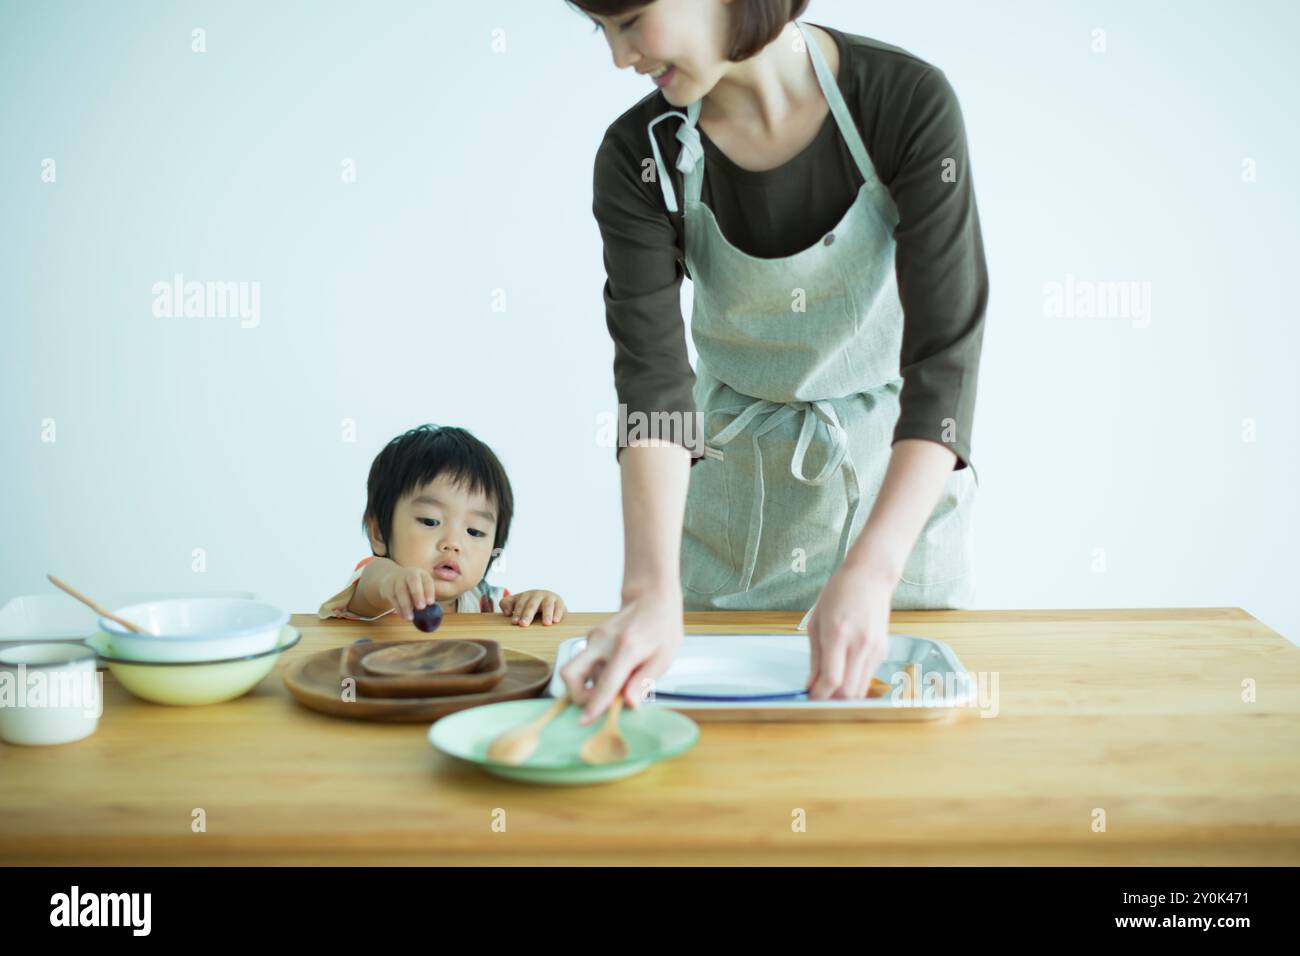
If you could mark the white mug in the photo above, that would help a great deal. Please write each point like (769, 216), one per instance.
(49, 693)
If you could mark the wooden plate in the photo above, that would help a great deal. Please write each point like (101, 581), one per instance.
(315, 682)
(489, 670)
(411, 658)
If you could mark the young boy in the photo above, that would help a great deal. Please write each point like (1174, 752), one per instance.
(438, 510)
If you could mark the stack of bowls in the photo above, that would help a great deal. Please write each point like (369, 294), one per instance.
(196, 650)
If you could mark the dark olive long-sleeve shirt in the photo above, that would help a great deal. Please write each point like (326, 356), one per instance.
(912, 126)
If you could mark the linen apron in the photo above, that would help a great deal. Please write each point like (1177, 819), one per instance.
(797, 383)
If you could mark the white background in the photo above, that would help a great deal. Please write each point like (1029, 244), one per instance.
(1114, 465)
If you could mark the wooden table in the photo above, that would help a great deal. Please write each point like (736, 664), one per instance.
(1138, 714)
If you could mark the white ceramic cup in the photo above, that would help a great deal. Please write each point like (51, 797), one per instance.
(49, 694)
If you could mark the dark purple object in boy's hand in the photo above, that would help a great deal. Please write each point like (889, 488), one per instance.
(428, 618)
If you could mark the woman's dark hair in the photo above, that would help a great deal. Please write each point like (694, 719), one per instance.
(413, 459)
(754, 23)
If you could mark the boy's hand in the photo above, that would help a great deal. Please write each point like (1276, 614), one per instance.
(407, 589)
(524, 605)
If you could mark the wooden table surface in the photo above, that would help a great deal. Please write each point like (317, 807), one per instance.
(1135, 715)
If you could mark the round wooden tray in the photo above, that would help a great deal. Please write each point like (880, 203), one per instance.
(315, 682)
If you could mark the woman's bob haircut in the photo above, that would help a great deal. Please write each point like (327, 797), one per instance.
(754, 23)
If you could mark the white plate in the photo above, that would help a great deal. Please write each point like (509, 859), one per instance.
(756, 671)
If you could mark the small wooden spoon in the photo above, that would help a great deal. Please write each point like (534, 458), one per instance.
(517, 744)
(607, 744)
(95, 607)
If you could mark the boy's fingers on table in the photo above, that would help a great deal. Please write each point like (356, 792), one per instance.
(554, 609)
(524, 614)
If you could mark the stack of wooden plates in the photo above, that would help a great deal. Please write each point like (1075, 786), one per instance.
(413, 681)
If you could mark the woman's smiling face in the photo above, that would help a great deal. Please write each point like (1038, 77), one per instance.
(439, 524)
(687, 36)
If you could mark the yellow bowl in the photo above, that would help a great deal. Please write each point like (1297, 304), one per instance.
(192, 683)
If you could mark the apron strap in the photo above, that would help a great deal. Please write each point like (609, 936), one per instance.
(692, 150)
(839, 109)
(688, 157)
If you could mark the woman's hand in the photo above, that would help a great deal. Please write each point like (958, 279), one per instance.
(522, 607)
(626, 652)
(848, 633)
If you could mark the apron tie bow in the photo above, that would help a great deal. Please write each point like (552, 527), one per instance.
(773, 414)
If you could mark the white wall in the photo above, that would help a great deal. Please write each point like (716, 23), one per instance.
(473, 173)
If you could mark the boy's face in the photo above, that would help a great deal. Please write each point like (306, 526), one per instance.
(447, 531)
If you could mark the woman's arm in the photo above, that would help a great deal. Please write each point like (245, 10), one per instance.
(655, 476)
(848, 631)
(637, 644)
(943, 280)
(918, 470)
(652, 376)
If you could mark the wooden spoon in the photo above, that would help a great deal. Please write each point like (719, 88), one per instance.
(517, 744)
(607, 744)
(95, 607)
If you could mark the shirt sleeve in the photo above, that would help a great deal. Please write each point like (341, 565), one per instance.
(337, 606)
(642, 294)
(942, 277)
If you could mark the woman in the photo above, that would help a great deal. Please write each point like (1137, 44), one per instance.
(839, 295)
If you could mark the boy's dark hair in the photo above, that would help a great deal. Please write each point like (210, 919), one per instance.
(754, 23)
(413, 459)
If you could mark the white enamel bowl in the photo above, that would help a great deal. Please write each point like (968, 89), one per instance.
(196, 629)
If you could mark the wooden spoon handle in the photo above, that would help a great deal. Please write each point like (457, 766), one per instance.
(549, 714)
(95, 607)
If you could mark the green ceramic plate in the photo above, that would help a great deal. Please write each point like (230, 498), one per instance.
(652, 733)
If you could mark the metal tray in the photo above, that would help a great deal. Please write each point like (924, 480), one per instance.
(929, 655)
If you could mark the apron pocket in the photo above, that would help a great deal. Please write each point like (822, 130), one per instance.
(706, 560)
(943, 552)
